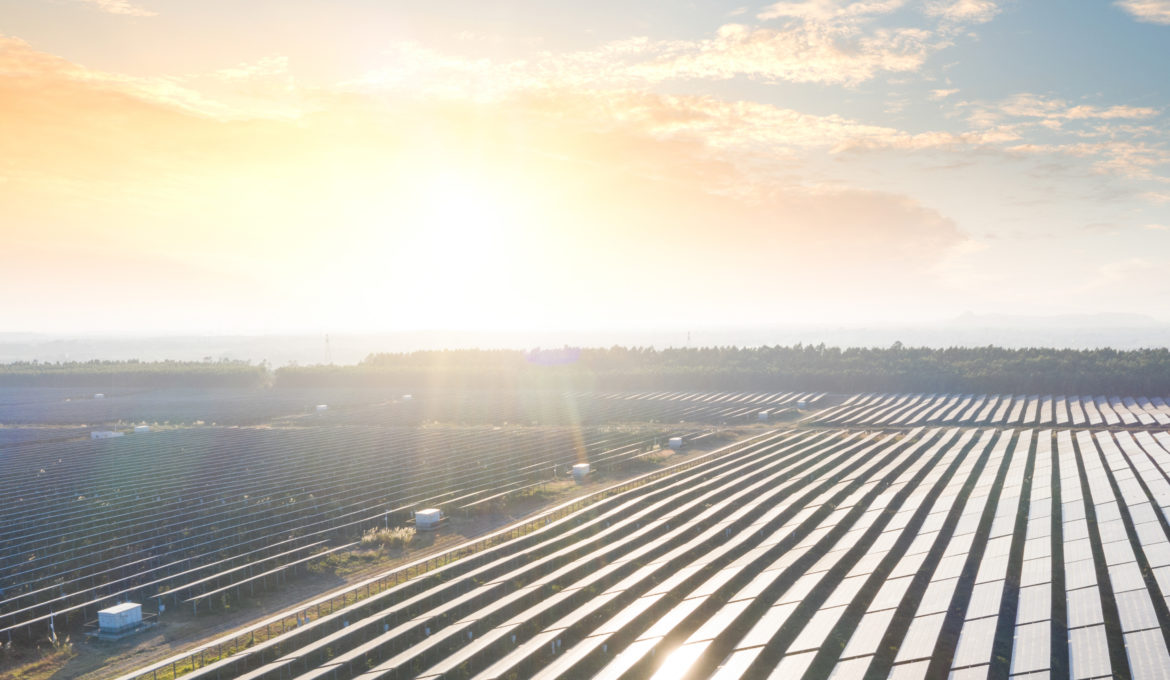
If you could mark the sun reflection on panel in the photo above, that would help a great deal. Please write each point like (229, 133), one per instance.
(679, 662)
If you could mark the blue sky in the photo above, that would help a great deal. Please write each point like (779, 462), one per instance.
(877, 160)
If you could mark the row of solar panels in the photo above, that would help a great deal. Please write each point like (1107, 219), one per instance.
(545, 407)
(971, 409)
(192, 511)
(922, 554)
(373, 406)
(723, 405)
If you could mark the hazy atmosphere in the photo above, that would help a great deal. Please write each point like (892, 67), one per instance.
(509, 339)
(1119, 331)
(309, 167)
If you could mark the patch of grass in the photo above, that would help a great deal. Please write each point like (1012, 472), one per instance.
(342, 563)
(40, 663)
(547, 492)
(376, 545)
(390, 539)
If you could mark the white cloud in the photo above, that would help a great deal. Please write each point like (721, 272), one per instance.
(120, 7)
(810, 52)
(752, 127)
(1035, 106)
(963, 11)
(1126, 159)
(1112, 112)
(1150, 11)
(816, 41)
(825, 10)
(1131, 159)
(744, 126)
(1106, 139)
(1051, 113)
(265, 67)
(19, 61)
(806, 53)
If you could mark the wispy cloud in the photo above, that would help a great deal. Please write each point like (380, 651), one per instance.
(1036, 106)
(812, 41)
(629, 136)
(1150, 11)
(617, 75)
(1134, 160)
(744, 126)
(830, 10)
(264, 89)
(120, 7)
(963, 11)
(267, 66)
(808, 53)
(1053, 113)
(24, 67)
(608, 157)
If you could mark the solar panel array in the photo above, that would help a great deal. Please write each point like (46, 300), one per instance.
(196, 512)
(225, 406)
(808, 553)
(369, 406)
(545, 407)
(972, 409)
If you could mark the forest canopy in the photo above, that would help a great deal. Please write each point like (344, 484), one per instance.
(792, 368)
(799, 367)
(112, 374)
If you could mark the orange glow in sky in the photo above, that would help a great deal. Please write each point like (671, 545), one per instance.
(206, 167)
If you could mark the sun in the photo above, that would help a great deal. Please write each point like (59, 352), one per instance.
(461, 213)
(461, 240)
(451, 245)
(462, 227)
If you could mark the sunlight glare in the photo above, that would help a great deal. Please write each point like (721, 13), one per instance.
(679, 662)
(460, 226)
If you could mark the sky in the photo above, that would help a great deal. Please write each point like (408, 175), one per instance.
(377, 166)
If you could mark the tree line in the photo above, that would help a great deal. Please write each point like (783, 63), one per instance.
(115, 374)
(779, 368)
(799, 367)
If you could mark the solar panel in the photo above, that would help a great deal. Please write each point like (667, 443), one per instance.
(894, 553)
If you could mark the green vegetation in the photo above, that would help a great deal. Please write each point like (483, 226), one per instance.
(391, 539)
(799, 367)
(35, 663)
(376, 544)
(116, 374)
